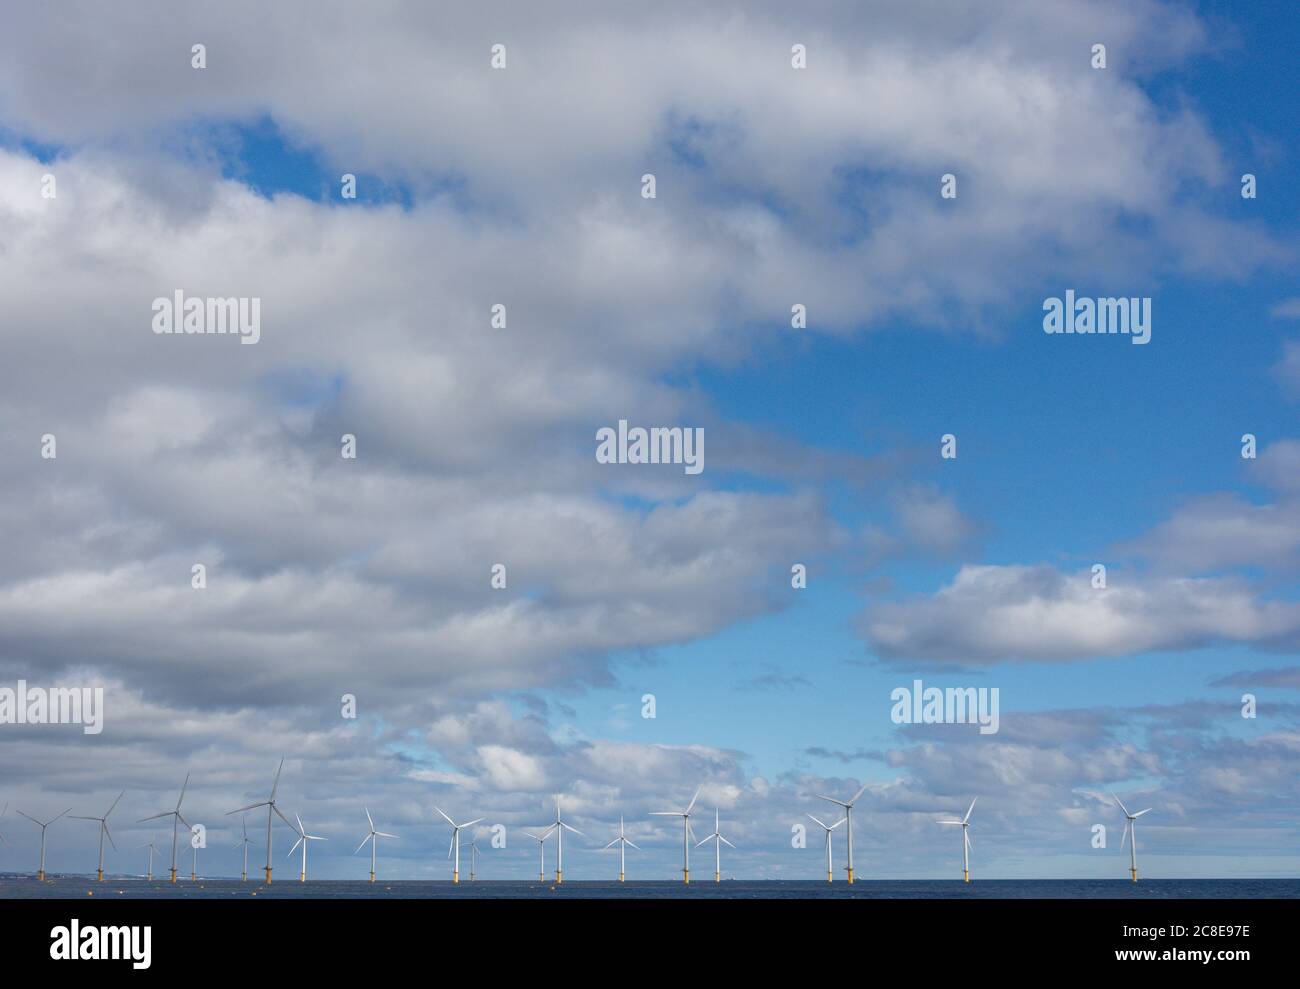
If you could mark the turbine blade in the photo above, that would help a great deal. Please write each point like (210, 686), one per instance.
(653, 813)
(832, 800)
(385, 834)
(854, 800)
(109, 835)
(969, 841)
(612, 843)
(281, 816)
(300, 827)
(183, 786)
(32, 819)
(568, 827)
(363, 842)
(694, 798)
(180, 817)
(1141, 812)
(110, 810)
(444, 816)
(167, 813)
(370, 819)
(79, 817)
(633, 844)
(704, 842)
(968, 810)
(479, 820)
(295, 845)
(1121, 803)
(820, 823)
(726, 842)
(239, 810)
(1125, 838)
(277, 778)
(838, 823)
(53, 819)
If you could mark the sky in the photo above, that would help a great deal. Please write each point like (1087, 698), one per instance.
(476, 444)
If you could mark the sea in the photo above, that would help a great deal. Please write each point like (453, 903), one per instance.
(79, 887)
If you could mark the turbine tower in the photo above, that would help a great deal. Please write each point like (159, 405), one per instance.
(2, 814)
(194, 862)
(271, 808)
(177, 819)
(622, 841)
(1130, 832)
(964, 823)
(541, 847)
(244, 843)
(559, 827)
(149, 875)
(373, 837)
(455, 841)
(828, 828)
(717, 840)
(103, 833)
(473, 859)
(848, 817)
(40, 873)
(303, 838)
(687, 833)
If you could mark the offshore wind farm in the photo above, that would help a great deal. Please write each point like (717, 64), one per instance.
(509, 877)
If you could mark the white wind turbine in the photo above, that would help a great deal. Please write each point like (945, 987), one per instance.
(149, 875)
(687, 833)
(966, 843)
(244, 843)
(103, 833)
(717, 840)
(373, 837)
(541, 847)
(848, 817)
(271, 808)
(559, 827)
(455, 841)
(828, 828)
(40, 874)
(623, 841)
(303, 838)
(1130, 832)
(177, 819)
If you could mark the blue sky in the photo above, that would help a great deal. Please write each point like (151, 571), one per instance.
(925, 318)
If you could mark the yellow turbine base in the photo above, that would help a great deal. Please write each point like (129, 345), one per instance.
(193, 878)
(372, 877)
(620, 877)
(101, 875)
(1135, 874)
(40, 876)
(717, 877)
(173, 871)
(268, 875)
(559, 877)
(965, 875)
(850, 875)
(302, 877)
(686, 876)
(830, 878)
(245, 878)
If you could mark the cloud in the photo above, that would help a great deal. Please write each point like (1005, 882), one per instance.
(992, 614)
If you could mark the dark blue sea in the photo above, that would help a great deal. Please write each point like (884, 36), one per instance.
(80, 887)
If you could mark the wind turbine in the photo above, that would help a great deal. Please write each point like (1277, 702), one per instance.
(40, 875)
(455, 842)
(103, 833)
(541, 847)
(244, 843)
(177, 819)
(271, 808)
(687, 833)
(964, 823)
(194, 862)
(303, 838)
(473, 858)
(1130, 831)
(828, 828)
(717, 840)
(373, 838)
(848, 817)
(559, 827)
(622, 841)
(149, 874)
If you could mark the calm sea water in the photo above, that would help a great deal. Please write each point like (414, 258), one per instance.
(78, 887)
